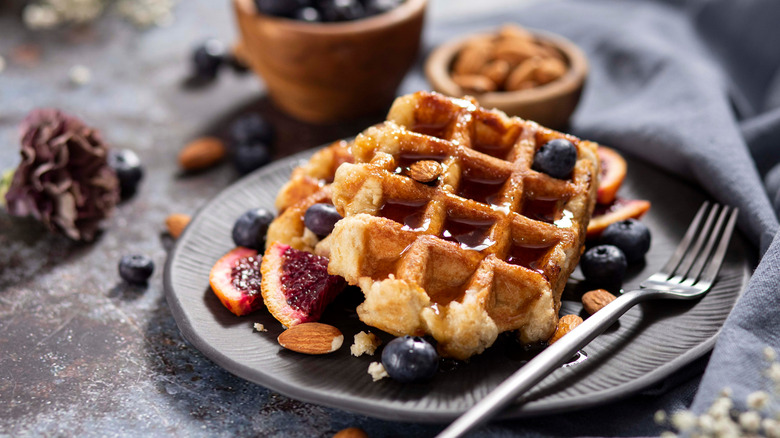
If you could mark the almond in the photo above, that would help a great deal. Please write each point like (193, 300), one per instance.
(311, 338)
(522, 74)
(474, 83)
(549, 70)
(202, 153)
(472, 58)
(514, 33)
(515, 52)
(565, 325)
(595, 300)
(351, 432)
(176, 223)
(425, 171)
(497, 71)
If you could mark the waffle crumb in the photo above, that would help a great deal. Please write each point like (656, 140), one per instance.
(365, 343)
(260, 327)
(377, 371)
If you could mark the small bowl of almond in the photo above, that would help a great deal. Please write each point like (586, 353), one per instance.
(530, 74)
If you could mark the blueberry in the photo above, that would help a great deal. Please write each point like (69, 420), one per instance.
(136, 268)
(208, 58)
(281, 8)
(251, 128)
(308, 14)
(250, 228)
(128, 170)
(251, 156)
(341, 10)
(604, 265)
(374, 7)
(556, 158)
(631, 236)
(410, 359)
(321, 218)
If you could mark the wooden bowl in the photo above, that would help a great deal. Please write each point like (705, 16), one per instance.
(550, 105)
(329, 72)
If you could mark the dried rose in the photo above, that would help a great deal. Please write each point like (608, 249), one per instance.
(63, 179)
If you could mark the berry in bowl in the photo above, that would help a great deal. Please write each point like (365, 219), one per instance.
(325, 61)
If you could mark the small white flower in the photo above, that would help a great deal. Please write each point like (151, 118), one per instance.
(758, 400)
(659, 417)
(668, 434)
(771, 428)
(725, 392)
(684, 420)
(774, 372)
(750, 421)
(770, 354)
(40, 17)
(706, 423)
(720, 407)
(80, 75)
(260, 327)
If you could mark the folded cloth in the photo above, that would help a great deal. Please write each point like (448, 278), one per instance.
(694, 88)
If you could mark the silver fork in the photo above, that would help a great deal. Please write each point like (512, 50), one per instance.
(689, 273)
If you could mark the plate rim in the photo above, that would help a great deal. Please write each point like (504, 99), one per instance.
(373, 407)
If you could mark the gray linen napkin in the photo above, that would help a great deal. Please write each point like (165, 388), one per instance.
(694, 88)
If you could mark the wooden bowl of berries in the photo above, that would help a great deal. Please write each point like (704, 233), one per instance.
(326, 61)
(534, 75)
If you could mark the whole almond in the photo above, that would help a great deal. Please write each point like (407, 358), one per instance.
(565, 325)
(472, 58)
(474, 83)
(497, 71)
(515, 52)
(425, 171)
(522, 74)
(311, 338)
(351, 432)
(202, 153)
(549, 70)
(595, 300)
(176, 223)
(514, 32)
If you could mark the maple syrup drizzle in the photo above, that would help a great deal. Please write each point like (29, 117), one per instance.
(438, 130)
(409, 214)
(468, 234)
(484, 191)
(494, 150)
(545, 210)
(529, 256)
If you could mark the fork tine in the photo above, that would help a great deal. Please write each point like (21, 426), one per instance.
(670, 266)
(717, 259)
(701, 260)
(682, 247)
(693, 253)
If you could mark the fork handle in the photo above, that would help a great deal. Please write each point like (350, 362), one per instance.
(544, 363)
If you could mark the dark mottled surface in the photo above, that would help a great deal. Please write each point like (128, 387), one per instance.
(84, 353)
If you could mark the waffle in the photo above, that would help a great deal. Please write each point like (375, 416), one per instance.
(309, 184)
(485, 248)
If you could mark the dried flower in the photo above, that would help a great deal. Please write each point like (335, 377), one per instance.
(63, 179)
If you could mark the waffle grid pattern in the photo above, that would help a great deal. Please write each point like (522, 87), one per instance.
(490, 243)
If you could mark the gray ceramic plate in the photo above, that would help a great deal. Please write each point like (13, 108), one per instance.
(648, 344)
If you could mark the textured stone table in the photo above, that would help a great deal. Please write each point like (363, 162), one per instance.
(82, 352)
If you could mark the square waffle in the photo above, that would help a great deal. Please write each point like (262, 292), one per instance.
(309, 184)
(484, 248)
